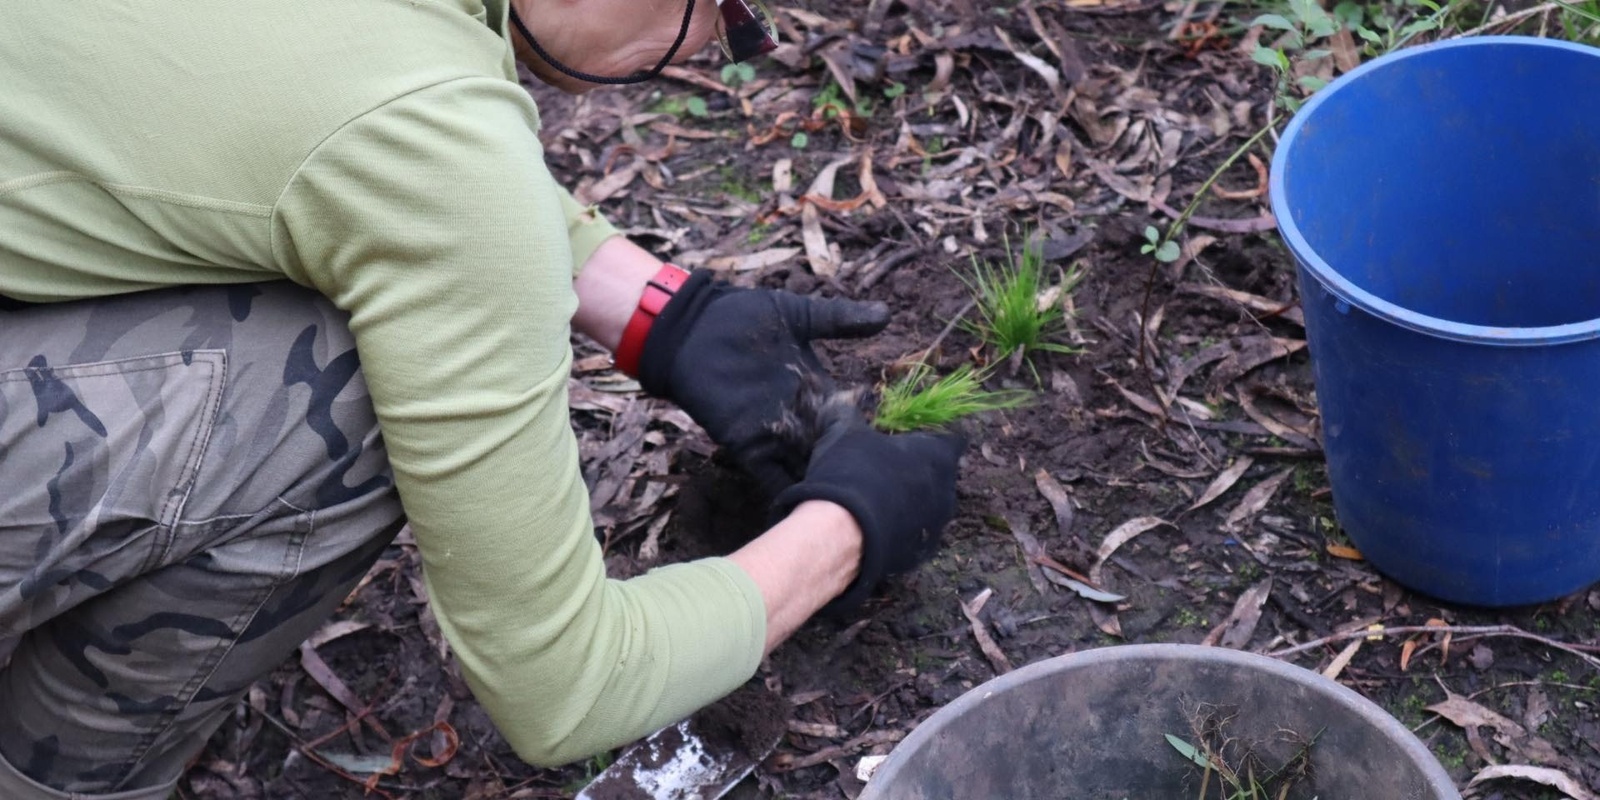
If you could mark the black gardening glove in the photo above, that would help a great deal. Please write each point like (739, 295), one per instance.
(901, 489)
(733, 359)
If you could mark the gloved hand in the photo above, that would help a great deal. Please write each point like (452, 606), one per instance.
(733, 359)
(901, 489)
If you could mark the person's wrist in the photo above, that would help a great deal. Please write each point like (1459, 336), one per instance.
(669, 333)
(657, 293)
(871, 556)
(608, 288)
(836, 532)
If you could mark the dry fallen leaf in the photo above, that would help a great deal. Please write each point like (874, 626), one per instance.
(1051, 75)
(1123, 534)
(318, 671)
(1249, 353)
(820, 254)
(782, 175)
(1444, 646)
(867, 766)
(821, 730)
(1224, 481)
(997, 657)
(1031, 550)
(335, 630)
(1235, 631)
(1255, 500)
(1247, 194)
(1106, 620)
(1143, 403)
(1280, 429)
(1289, 311)
(746, 262)
(1508, 732)
(1060, 575)
(1342, 660)
(1060, 501)
(607, 187)
(1346, 552)
(1545, 775)
(1345, 54)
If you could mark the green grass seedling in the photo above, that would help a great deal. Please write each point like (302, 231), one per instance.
(916, 401)
(1010, 315)
(1231, 783)
(1580, 21)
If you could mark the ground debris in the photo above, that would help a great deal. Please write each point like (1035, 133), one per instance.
(882, 148)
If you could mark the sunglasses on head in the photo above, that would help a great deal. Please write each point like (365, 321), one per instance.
(745, 29)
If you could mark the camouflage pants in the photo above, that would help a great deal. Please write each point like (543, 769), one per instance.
(191, 480)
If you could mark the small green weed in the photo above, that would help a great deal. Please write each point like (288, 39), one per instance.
(1302, 24)
(1247, 778)
(736, 75)
(832, 103)
(1384, 28)
(1164, 250)
(591, 770)
(1580, 22)
(1303, 31)
(678, 105)
(757, 233)
(1249, 571)
(1305, 479)
(916, 401)
(733, 183)
(1007, 297)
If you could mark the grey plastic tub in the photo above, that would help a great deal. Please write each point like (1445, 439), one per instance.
(1092, 726)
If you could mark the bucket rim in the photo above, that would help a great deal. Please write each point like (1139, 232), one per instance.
(1346, 290)
(1382, 722)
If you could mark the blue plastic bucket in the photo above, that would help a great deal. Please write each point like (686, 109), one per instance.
(1443, 204)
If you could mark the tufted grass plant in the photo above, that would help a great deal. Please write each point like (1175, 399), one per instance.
(1017, 312)
(919, 401)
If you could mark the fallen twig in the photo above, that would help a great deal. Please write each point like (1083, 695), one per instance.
(317, 758)
(889, 263)
(1508, 19)
(784, 762)
(950, 326)
(1579, 650)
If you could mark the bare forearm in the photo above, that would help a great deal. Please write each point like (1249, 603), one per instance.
(801, 563)
(609, 287)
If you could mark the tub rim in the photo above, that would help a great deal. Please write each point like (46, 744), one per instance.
(1410, 748)
(1346, 290)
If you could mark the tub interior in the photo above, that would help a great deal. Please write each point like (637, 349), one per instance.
(1461, 184)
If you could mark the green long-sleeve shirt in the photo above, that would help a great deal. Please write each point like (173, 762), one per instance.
(381, 152)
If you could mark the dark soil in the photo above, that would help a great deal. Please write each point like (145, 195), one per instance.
(856, 686)
(750, 721)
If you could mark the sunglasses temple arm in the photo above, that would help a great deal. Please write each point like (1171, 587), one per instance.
(747, 32)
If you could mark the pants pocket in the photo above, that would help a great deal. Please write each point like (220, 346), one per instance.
(96, 461)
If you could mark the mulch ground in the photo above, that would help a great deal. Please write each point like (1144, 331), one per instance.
(1173, 460)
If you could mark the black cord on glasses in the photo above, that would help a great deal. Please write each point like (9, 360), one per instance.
(637, 77)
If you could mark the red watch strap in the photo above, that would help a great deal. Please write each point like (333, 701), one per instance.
(656, 294)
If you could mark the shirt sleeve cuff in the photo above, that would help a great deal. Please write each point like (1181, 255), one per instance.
(587, 228)
(729, 638)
